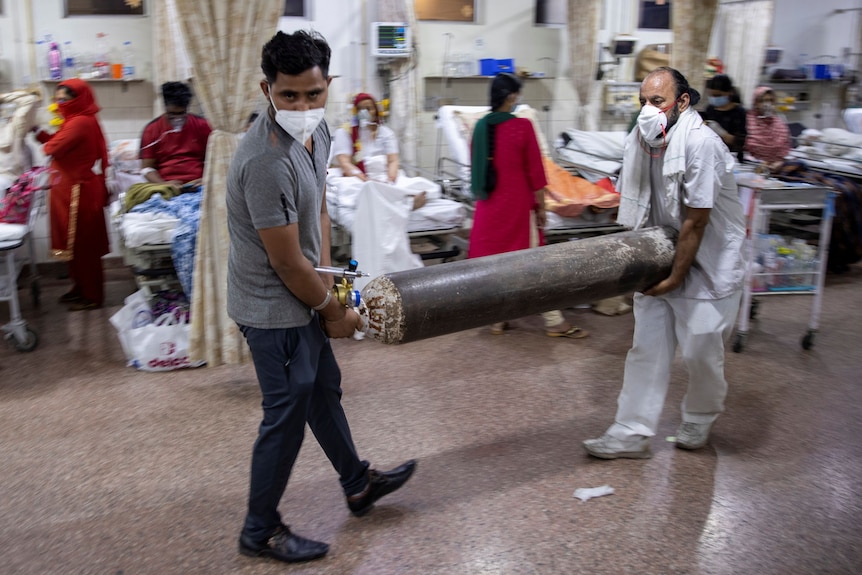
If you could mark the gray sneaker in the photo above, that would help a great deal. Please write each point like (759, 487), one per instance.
(692, 435)
(607, 447)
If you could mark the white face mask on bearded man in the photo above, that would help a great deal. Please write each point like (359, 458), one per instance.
(654, 123)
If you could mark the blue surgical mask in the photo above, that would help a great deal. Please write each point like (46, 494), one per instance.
(719, 101)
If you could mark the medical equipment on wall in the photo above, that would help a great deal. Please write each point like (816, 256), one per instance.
(622, 46)
(391, 40)
(622, 99)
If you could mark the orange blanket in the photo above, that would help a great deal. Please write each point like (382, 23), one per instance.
(568, 195)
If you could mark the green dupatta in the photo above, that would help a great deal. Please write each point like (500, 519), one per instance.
(482, 154)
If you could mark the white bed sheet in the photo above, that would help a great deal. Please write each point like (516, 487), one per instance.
(438, 214)
(599, 151)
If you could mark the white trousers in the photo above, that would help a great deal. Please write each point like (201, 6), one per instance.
(700, 328)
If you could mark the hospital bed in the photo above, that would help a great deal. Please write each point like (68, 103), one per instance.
(455, 126)
(148, 233)
(594, 155)
(14, 239)
(833, 150)
(833, 158)
(433, 231)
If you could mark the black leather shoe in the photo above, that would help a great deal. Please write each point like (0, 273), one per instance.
(380, 483)
(284, 546)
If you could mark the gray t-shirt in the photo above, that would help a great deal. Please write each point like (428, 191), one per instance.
(273, 181)
(718, 267)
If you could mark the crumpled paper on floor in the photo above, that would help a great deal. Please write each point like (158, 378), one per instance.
(585, 493)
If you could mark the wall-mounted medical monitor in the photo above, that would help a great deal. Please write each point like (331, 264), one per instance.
(391, 40)
(772, 56)
(623, 46)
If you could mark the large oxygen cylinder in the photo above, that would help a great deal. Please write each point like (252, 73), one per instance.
(446, 298)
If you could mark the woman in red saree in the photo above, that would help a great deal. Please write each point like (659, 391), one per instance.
(508, 181)
(78, 193)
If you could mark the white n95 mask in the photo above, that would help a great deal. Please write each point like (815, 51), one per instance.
(364, 117)
(652, 123)
(300, 125)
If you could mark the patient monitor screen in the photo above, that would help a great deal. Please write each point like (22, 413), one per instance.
(391, 39)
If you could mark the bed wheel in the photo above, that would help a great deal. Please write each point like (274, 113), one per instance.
(738, 343)
(30, 343)
(755, 306)
(808, 340)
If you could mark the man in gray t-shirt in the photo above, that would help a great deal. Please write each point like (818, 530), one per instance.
(279, 231)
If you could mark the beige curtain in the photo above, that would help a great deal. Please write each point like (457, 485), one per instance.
(583, 22)
(743, 30)
(404, 95)
(692, 25)
(223, 39)
(170, 60)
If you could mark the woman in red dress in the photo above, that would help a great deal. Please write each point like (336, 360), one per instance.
(78, 193)
(508, 182)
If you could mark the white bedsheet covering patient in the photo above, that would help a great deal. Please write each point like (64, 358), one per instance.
(380, 215)
(342, 196)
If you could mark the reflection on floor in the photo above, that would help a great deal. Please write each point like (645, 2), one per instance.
(109, 470)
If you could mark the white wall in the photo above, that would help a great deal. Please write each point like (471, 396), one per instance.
(815, 28)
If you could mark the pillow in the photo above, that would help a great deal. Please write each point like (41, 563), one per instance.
(466, 121)
(123, 155)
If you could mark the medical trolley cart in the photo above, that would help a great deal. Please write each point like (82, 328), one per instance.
(799, 211)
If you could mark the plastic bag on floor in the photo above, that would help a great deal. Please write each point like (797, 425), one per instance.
(134, 314)
(162, 345)
(153, 345)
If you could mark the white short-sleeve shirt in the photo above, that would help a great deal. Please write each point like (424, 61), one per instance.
(718, 267)
(383, 143)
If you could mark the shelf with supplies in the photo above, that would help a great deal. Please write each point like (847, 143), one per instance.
(124, 82)
(486, 78)
(473, 91)
(800, 95)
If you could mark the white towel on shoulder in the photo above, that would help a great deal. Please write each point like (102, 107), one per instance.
(635, 175)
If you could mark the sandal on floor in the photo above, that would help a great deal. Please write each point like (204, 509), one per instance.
(69, 297)
(83, 304)
(571, 333)
(499, 328)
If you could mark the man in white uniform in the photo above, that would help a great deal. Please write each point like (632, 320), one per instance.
(677, 172)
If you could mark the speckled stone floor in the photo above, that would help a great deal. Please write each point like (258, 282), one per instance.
(107, 470)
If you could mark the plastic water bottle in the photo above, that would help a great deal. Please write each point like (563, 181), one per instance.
(42, 51)
(101, 65)
(55, 62)
(70, 64)
(804, 65)
(128, 58)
